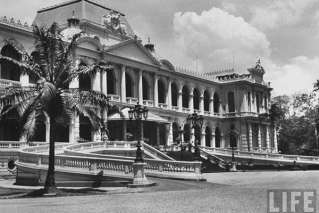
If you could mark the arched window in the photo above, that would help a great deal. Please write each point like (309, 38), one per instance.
(161, 92)
(217, 137)
(85, 80)
(146, 89)
(216, 103)
(9, 126)
(187, 133)
(174, 94)
(9, 70)
(196, 98)
(231, 102)
(206, 101)
(111, 82)
(129, 86)
(85, 129)
(208, 136)
(185, 97)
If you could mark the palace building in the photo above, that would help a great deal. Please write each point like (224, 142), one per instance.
(228, 101)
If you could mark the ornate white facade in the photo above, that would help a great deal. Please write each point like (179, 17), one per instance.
(228, 101)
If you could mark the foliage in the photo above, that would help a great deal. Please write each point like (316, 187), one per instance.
(50, 98)
(295, 121)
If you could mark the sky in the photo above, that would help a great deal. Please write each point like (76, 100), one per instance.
(209, 35)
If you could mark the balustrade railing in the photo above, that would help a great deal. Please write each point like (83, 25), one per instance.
(7, 83)
(261, 155)
(162, 105)
(97, 162)
(176, 108)
(115, 98)
(18, 144)
(131, 100)
(148, 103)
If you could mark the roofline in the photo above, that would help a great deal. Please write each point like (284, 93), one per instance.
(75, 1)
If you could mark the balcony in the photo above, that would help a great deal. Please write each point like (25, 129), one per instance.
(115, 98)
(163, 105)
(148, 103)
(131, 100)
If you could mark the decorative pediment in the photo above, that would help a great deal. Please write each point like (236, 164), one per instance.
(134, 50)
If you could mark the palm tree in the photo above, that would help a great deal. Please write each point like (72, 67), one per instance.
(51, 98)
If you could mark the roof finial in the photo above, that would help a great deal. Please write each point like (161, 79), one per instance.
(149, 39)
(258, 62)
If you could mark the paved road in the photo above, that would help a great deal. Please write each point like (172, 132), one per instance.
(243, 192)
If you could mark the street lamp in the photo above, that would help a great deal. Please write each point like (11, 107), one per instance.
(103, 130)
(233, 139)
(138, 113)
(196, 121)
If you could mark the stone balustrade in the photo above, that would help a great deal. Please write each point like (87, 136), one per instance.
(9, 83)
(115, 98)
(149, 103)
(15, 23)
(176, 108)
(163, 105)
(37, 156)
(262, 156)
(130, 100)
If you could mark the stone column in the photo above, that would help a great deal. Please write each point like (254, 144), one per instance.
(250, 137)
(212, 140)
(203, 137)
(192, 136)
(211, 105)
(123, 84)
(104, 82)
(259, 137)
(155, 90)
(191, 100)
(97, 82)
(244, 106)
(275, 140)
(74, 132)
(222, 140)
(201, 102)
(180, 99)
(24, 79)
(170, 134)
(140, 87)
(267, 138)
(169, 94)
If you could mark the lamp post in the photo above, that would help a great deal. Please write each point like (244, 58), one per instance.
(180, 132)
(104, 130)
(232, 136)
(196, 121)
(138, 113)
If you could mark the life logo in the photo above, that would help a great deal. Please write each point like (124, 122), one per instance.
(291, 201)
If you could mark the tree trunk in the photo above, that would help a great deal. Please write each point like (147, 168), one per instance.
(49, 186)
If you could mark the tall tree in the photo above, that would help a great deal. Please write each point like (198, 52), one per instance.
(51, 98)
